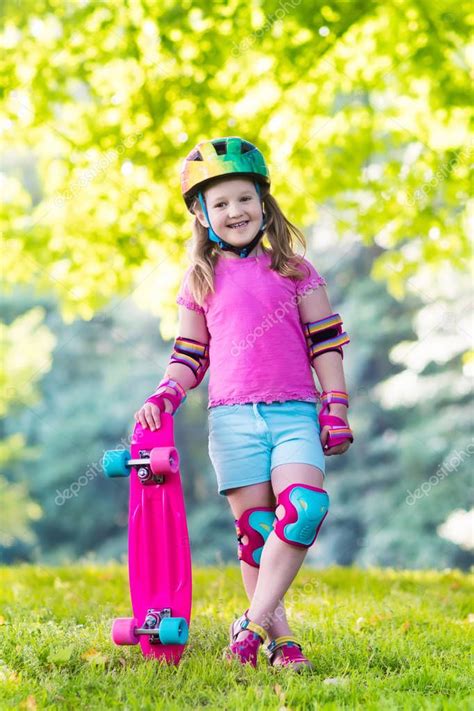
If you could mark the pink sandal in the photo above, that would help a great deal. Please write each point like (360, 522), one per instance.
(289, 655)
(246, 649)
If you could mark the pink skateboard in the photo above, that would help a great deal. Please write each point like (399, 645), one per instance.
(159, 558)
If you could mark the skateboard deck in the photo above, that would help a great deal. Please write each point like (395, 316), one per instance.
(159, 557)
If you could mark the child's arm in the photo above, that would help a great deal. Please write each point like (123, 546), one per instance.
(192, 325)
(325, 339)
(315, 306)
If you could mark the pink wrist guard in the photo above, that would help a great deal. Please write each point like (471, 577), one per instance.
(339, 431)
(176, 398)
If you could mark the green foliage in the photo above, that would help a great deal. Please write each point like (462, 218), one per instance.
(103, 370)
(406, 431)
(26, 348)
(361, 107)
(410, 410)
(379, 639)
(18, 510)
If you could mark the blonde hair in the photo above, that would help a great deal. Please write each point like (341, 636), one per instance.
(280, 232)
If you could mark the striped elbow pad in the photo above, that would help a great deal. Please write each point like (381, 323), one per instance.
(325, 335)
(192, 353)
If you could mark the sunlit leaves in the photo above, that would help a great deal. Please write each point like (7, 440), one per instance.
(361, 109)
(24, 343)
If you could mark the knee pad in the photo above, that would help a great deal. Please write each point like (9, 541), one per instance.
(256, 524)
(306, 507)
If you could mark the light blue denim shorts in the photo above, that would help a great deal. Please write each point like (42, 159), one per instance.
(246, 442)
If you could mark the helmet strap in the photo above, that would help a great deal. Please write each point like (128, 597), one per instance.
(226, 246)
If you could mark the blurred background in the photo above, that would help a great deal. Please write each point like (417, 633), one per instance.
(362, 110)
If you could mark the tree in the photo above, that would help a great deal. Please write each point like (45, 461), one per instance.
(362, 110)
(410, 409)
(103, 370)
(25, 343)
(364, 104)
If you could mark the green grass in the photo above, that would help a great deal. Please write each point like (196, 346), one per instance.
(387, 639)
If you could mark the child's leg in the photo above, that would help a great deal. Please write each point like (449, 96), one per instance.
(280, 561)
(278, 623)
(240, 500)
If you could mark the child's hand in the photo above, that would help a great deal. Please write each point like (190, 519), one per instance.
(149, 415)
(337, 410)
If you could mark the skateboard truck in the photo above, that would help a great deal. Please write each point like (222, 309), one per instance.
(152, 624)
(144, 471)
(151, 466)
(159, 626)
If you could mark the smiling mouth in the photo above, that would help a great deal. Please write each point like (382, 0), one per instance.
(238, 225)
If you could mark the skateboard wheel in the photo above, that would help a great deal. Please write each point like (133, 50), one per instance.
(173, 630)
(164, 460)
(123, 631)
(114, 463)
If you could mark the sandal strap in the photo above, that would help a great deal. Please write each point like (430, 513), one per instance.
(279, 642)
(253, 627)
(246, 624)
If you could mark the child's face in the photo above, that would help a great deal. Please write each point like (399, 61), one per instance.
(231, 202)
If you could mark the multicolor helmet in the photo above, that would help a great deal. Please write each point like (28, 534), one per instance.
(221, 157)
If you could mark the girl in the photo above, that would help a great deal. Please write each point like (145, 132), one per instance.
(259, 317)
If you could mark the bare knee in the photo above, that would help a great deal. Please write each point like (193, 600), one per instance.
(286, 474)
(246, 497)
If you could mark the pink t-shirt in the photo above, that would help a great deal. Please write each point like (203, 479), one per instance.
(257, 349)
